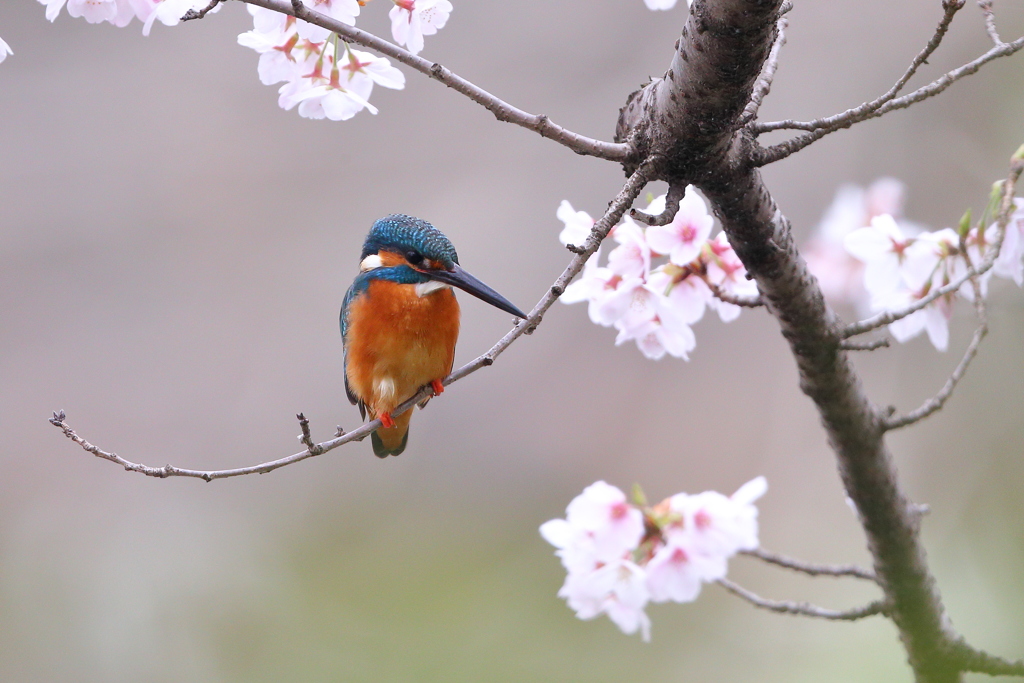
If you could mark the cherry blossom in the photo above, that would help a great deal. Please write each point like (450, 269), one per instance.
(714, 524)
(1010, 263)
(683, 238)
(344, 11)
(600, 527)
(282, 53)
(933, 318)
(169, 12)
(578, 224)
(676, 573)
(656, 306)
(662, 4)
(618, 589)
(619, 556)
(594, 285)
(5, 50)
(321, 83)
(726, 272)
(117, 12)
(632, 258)
(840, 275)
(413, 19)
(340, 89)
(900, 270)
(121, 12)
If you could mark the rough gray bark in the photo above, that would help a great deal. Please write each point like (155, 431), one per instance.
(689, 122)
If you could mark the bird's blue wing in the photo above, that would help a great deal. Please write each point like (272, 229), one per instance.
(359, 286)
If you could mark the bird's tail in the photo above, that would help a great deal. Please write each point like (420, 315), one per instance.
(392, 440)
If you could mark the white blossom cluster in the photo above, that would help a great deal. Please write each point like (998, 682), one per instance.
(663, 4)
(121, 12)
(865, 254)
(322, 76)
(619, 556)
(656, 305)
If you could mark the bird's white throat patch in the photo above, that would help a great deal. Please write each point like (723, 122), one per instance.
(424, 288)
(370, 262)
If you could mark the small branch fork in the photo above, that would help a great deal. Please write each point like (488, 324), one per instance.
(629, 192)
(503, 111)
(803, 608)
(888, 102)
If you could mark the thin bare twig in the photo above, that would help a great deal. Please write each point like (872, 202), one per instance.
(811, 569)
(1006, 207)
(782, 150)
(848, 345)
(852, 115)
(990, 21)
(199, 14)
(744, 301)
(936, 402)
(503, 111)
(629, 192)
(306, 437)
(803, 608)
(764, 84)
(672, 199)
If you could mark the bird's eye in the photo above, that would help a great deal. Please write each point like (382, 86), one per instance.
(414, 257)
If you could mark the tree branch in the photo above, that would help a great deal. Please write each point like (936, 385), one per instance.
(764, 84)
(990, 21)
(979, 661)
(629, 192)
(672, 199)
(199, 14)
(805, 609)
(936, 402)
(744, 301)
(503, 111)
(848, 345)
(851, 115)
(811, 569)
(784, 149)
(690, 117)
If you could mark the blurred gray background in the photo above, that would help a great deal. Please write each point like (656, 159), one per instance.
(173, 253)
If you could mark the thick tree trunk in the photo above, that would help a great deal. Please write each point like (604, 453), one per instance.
(689, 123)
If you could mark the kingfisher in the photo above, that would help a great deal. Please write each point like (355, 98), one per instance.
(400, 322)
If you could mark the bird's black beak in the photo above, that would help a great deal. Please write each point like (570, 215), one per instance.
(457, 277)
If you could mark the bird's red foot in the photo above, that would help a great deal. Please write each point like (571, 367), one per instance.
(437, 387)
(386, 420)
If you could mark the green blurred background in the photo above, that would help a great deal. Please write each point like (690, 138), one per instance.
(173, 253)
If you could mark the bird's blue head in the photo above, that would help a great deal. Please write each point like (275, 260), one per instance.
(416, 240)
(410, 250)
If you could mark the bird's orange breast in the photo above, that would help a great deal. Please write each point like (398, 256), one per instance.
(397, 341)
